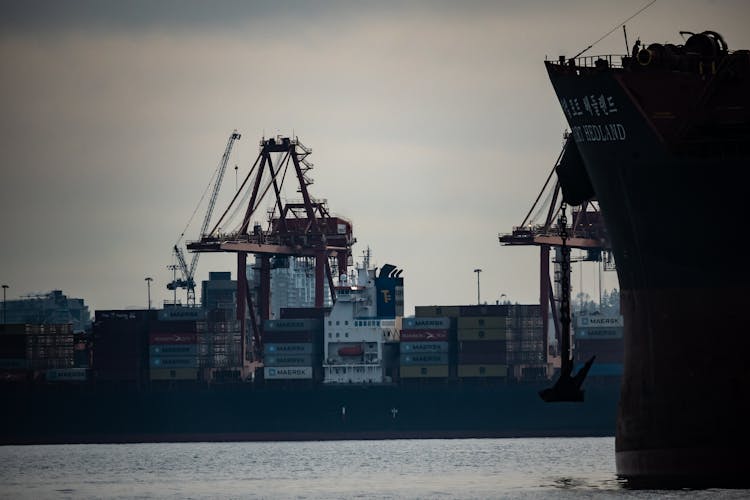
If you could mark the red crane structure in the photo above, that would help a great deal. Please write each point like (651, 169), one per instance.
(301, 228)
(586, 232)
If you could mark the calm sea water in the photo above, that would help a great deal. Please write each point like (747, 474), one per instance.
(444, 469)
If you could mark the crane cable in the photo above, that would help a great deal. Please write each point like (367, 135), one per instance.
(203, 196)
(616, 26)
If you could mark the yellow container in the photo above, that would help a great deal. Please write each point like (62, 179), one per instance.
(174, 374)
(435, 311)
(424, 371)
(485, 322)
(466, 371)
(483, 334)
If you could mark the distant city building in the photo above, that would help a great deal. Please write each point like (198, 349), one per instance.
(49, 308)
(292, 283)
(219, 293)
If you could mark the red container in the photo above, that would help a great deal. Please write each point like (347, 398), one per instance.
(424, 335)
(173, 338)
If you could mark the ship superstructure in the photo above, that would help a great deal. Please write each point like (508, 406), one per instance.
(356, 331)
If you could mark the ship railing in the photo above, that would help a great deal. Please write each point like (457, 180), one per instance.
(600, 61)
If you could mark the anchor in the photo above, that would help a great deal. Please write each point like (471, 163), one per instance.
(568, 386)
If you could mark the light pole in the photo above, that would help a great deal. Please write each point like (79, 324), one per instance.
(478, 271)
(5, 307)
(149, 279)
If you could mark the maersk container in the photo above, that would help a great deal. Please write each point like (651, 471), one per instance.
(182, 314)
(419, 323)
(287, 372)
(424, 335)
(427, 371)
(488, 370)
(291, 325)
(288, 360)
(162, 350)
(67, 375)
(483, 334)
(173, 374)
(424, 359)
(598, 333)
(605, 322)
(176, 362)
(172, 338)
(414, 347)
(288, 348)
(278, 337)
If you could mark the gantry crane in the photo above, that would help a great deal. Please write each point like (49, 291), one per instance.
(302, 228)
(187, 280)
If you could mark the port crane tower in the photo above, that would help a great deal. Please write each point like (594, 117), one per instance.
(303, 228)
(187, 280)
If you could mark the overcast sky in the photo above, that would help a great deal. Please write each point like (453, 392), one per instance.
(433, 127)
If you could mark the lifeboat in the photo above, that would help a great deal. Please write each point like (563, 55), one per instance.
(353, 350)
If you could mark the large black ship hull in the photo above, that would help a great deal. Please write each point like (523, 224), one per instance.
(673, 210)
(96, 414)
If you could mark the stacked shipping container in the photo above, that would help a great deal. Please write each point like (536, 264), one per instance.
(219, 344)
(600, 336)
(120, 346)
(26, 348)
(496, 341)
(173, 350)
(425, 347)
(291, 349)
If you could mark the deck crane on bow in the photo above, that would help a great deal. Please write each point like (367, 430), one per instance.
(187, 280)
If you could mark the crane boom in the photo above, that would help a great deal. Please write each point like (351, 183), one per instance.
(187, 280)
(214, 194)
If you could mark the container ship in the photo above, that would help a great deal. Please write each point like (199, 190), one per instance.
(661, 138)
(357, 369)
